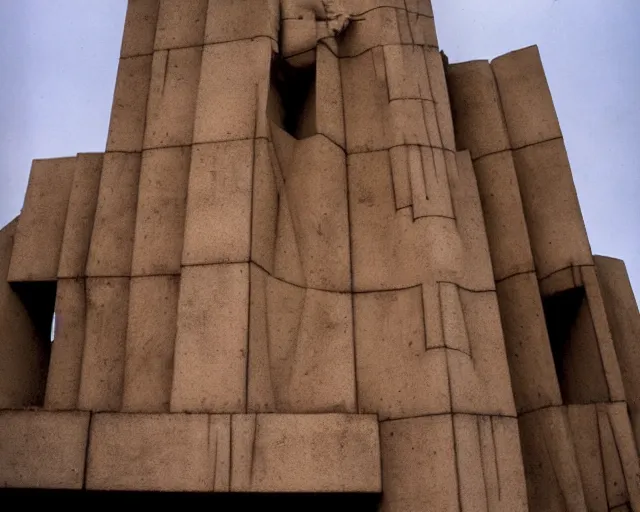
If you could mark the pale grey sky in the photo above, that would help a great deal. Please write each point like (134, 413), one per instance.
(59, 58)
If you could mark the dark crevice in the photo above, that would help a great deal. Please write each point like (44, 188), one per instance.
(575, 349)
(292, 98)
(39, 299)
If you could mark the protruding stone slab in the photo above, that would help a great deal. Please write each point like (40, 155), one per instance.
(526, 99)
(305, 453)
(43, 450)
(418, 464)
(259, 453)
(144, 452)
(479, 122)
(38, 238)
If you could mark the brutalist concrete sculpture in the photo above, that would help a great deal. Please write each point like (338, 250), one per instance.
(316, 258)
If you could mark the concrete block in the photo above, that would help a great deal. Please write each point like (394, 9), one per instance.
(218, 216)
(111, 246)
(423, 29)
(301, 348)
(437, 78)
(406, 72)
(479, 380)
(232, 20)
(478, 270)
(83, 200)
(391, 340)
(531, 365)
(551, 467)
(624, 444)
(65, 364)
(624, 321)
(419, 464)
(24, 355)
(477, 112)
(407, 124)
(583, 421)
(365, 96)
(181, 24)
(139, 27)
(129, 111)
(504, 215)
(606, 349)
(508, 491)
(228, 102)
(160, 216)
(38, 238)
(265, 208)
(173, 91)
(305, 453)
(316, 185)
(554, 220)
(42, 450)
(431, 121)
(150, 452)
(489, 463)
(329, 99)
(377, 27)
(615, 454)
(287, 263)
(299, 40)
(525, 96)
(391, 249)
(212, 337)
(103, 359)
(151, 334)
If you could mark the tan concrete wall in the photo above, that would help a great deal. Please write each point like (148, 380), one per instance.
(353, 306)
(624, 321)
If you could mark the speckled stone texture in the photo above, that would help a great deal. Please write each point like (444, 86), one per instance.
(315, 257)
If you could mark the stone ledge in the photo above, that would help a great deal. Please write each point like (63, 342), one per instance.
(42, 449)
(246, 453)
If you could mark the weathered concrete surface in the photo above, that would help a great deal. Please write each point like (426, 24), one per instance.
(239, 453)
(305, 453)
(38, 237)
(624, 321)
(211, 341)
(160, 215)
(112, 237)
(43, 449)
(151, 333)
(81, 211)
(65, 364)
(103, 357)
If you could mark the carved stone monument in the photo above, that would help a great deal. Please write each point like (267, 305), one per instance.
(317, 258)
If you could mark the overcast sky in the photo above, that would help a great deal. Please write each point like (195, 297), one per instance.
(58, 61)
